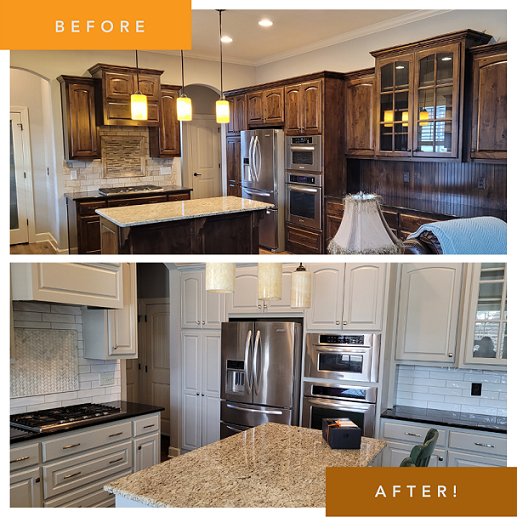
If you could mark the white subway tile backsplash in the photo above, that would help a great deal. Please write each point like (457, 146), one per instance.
(450, 389)
(38, 315)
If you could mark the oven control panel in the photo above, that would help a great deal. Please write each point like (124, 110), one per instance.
(342, 340)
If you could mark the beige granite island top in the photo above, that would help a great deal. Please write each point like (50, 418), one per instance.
(136, 215)
(272, 465)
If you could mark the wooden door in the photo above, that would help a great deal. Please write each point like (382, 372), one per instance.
(489, 106)
(273, 100)
(326, 297)
(293, 122)
(364, 296)
(255, 105)
(312, 109)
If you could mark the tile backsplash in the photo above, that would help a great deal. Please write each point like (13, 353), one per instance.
(450, 389)
(91, 174)
(49, 316)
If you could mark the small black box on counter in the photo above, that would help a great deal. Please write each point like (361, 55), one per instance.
(341, 433)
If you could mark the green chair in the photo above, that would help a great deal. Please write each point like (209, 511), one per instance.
(421, 454)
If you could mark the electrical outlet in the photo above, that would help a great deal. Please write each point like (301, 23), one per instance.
(476, 389)
(107, 378)
(406, 177)
(481, 183)
(73, 175)
(165, 170)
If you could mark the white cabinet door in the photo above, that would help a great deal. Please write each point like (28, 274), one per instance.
(364, 296)
(211, 405)
(326, 297)
(96, 285)
(146, 451)
(395, 452)
(463, 459)
(213, 309)
(211, 419)
(244, 299)
(25, 489)
(428, 312)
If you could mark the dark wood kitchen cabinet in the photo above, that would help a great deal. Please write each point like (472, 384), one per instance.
(116, 85)
(233, 166)
(359, 113)
(164, 141)
(489, 102)
(81, 139)
(303, 108)
(238, 115)
(266, 107)
(420, 91)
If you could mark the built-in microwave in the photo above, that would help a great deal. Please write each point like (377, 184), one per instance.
(343, 357)
(303, 153)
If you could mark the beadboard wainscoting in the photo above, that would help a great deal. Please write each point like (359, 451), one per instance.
(450, 389)
(38, 315)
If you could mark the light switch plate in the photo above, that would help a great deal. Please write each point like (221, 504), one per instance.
(165, 170)
(107, 378)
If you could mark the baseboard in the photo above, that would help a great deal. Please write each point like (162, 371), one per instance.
(48, 237)
(173, 452)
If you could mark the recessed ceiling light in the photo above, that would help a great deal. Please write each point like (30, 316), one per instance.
(226, 39)
(265, 23)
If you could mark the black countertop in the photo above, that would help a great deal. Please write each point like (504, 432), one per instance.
(127, 410)
(94, 195)
(475, 421)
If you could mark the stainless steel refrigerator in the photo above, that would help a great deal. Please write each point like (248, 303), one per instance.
(262, 179)
(260, 378)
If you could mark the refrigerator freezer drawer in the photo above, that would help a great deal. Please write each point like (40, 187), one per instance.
(250, 415)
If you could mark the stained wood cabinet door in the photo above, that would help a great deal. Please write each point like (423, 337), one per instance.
(79, 123)
(238, 115)
(233, 166)
(164, 141)
(303, 108)
(265, 107)
(255, 104)
(489, 103)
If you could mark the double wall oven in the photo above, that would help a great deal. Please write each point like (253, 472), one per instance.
(347, 367)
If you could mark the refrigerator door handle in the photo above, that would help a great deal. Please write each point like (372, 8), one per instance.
(250, 155)
(259, 159)
(247, 374)
(255, 160)
(255, 374)
(249, 410)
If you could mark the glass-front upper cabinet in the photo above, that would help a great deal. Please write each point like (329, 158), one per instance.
(420, 92)
(486, 332)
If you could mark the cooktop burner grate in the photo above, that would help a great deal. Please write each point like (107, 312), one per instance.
(48, 419)
(137, 189)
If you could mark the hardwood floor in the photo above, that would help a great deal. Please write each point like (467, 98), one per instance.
(264, 251)
(35, 248)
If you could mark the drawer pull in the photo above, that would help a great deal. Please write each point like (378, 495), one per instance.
(72, 475)
(115, 461)
(116, 434)
(414, 434)
(152, 425)
(484, 445)
(71, 446)
(20, 459)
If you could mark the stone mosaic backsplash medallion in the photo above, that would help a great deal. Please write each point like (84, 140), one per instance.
(123, 156)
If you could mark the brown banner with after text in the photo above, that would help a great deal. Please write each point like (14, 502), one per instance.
(395, 491)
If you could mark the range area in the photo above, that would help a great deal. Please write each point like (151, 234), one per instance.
(136, 189)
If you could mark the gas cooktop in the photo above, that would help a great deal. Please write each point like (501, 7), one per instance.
(55, 418)
(137, 189)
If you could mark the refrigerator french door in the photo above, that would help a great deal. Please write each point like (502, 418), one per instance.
(260, 378)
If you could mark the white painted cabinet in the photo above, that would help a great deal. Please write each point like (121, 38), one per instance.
(395, 452)
(94, 284)
(201, 379)
(347, 297)
(429, 306)
(146, 451)
(200, 309)
(25, 489)
(113, 333)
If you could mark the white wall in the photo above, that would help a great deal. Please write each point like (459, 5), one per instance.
(355, 54)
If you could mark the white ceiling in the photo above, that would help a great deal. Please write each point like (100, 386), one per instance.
(293, 31)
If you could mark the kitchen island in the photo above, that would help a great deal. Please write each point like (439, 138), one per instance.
(272, 465)
(220, 225)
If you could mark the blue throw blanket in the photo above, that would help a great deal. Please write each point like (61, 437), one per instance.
(479, 235)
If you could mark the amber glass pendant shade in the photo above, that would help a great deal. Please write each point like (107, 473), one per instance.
(184, 108)
(222, 111)
(138, 106)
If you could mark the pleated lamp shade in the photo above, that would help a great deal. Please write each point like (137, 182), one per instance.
(363, 229)
(220, 278)
(269, 281)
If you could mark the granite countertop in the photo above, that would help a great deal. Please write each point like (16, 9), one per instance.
(94, 194)
(475, 421)
(272, 465)
(127, 410)
(137, 215)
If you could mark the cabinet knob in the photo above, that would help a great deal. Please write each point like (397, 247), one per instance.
(440, 458)
(37, 480)
(259, 306)
(197, 394)
(450, 355)
(337, 322)
(199, 323)
(265, 306)
(202, 394)
(203, 322)
(345, 322)
(139, 447)
(115, 347)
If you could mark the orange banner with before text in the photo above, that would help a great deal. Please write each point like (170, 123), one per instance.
(64, 25)
(395, 491)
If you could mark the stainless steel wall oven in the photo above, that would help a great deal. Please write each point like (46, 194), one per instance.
(304, 199)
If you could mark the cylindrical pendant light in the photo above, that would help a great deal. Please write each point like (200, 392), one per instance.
(222, 106)
(138, 100)
(300, 288)
(183, 103)
(220, 278)
(269, 281)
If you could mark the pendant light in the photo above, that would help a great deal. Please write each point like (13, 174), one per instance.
(269, 281)
(183, 103)
(138, 100)
(220, 278)
(222, 107)
(300, 288)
